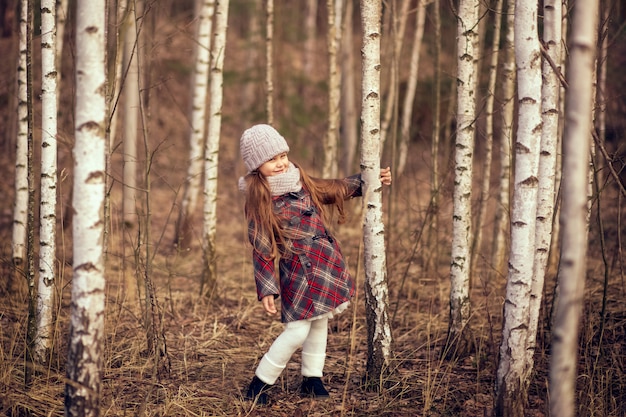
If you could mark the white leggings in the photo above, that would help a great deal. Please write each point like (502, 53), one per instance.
(311, 335)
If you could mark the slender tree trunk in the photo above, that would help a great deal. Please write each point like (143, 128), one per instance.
(269, 61)
(62, 7)
(310, 28)
(501, 229)
(554, 257)
(431, 235)
(547, 167)
(601, 104)
(253, 57)
(130, 90)
(48, 185)
(376, 291)
(85, 349)
(398, 27)
(29, 272)
(487, 161)
(218, 50)
(460, 308)
(409, 98)
(512, 382)
(331, 139)
(20, 207)
(197, 134)
(349, 119)
(571, 279)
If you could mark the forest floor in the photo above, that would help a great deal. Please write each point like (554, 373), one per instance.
(213, 345)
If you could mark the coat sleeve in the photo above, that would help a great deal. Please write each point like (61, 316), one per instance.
(354, 186)
(264, 275)
(263, 263)
(351, 184)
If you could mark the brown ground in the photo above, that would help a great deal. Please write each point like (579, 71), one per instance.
(214, 344)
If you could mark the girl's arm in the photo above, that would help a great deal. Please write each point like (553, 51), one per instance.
(353, 185)
(263, 263)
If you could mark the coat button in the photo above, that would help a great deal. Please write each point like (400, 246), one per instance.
(308, 264)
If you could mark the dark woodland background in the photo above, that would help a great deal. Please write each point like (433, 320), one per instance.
(214, 344)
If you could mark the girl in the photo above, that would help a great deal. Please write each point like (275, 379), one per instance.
(285, 211)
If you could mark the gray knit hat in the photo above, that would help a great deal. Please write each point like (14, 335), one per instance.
(259, 144)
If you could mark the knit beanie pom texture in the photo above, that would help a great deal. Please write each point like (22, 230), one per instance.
(259, 144)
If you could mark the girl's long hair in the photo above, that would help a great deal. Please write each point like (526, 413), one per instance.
(259, 209)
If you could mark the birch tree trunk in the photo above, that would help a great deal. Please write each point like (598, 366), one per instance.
(28, 270)
(550, 116)
(376, 291)
(48, 185)
(397, 29)
(467, 23)
(249, 96)
(574, 210)
(409, 98)
(431, 231)
(310, 26)
(218, 50)
(85, 349)
(501, 229)
(197, 134)
(331, 139)
(488, 141)
(512, 382)
(348, 119)
(130, 90)
(20, 206)
(62, 7)
(554, 257)
(269, 61)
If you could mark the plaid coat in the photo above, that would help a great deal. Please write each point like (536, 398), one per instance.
(313, 276)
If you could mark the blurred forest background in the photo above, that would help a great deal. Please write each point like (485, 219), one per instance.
(214, 343)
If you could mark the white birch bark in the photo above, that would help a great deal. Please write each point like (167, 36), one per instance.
(512, 382)
(131, 114)
(501, 229)
(398, 22)
(48, 184)
(211, 152)
(467, 23)
(376, 291)
(574, 210)
(331, 139)
(85, 349)
(197, 134)
(20, 205)
(349, 117)
(547, 166)
(488, 141)
(411, 88)
(556, 226)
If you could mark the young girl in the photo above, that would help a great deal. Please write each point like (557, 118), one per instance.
(285, 211)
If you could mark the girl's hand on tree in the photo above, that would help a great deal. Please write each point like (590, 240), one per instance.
(385, 176)
(268, 305)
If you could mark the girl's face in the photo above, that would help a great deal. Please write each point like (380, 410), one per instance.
(276, 165)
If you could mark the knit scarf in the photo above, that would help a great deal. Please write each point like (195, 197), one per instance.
(287, 182)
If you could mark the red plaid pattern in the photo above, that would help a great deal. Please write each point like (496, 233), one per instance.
(314, 278)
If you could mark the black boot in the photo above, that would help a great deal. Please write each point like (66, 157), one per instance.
(256, 391)
(313, 387)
